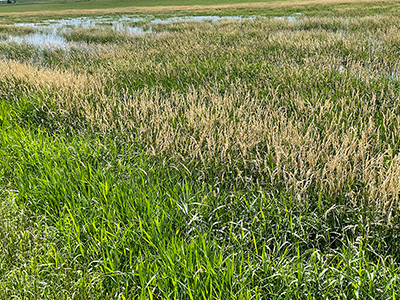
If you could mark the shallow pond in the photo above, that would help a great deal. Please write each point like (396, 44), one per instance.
(49, 33)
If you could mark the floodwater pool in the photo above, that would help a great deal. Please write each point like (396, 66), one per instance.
(50, 33)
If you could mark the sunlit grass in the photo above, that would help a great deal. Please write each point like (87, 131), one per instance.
(15, 30)
(95, 36)
(219, 160)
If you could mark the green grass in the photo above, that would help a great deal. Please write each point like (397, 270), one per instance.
(90, 219)
(43, 11)
(232, 160)
(14, 30)
(40, 5)
(94, 36)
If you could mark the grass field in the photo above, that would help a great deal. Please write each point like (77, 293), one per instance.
(207, 160)
(59, 5)
(52, 8)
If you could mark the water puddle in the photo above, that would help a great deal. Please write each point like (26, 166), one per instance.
(50, 33)
(40, 39)
(289, 19)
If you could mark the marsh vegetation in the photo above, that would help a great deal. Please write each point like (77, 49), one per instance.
(251, 159)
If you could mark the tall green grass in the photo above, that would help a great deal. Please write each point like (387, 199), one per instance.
(250, 160)
(93, 220)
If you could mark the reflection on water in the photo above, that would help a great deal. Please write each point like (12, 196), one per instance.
(40, 39)
(49, 33)
(121, 23)
(289, 19)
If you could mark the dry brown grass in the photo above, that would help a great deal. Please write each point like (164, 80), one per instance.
(42, 78)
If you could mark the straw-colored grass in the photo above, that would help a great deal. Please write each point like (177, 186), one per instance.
(218, 160)
(309, 111)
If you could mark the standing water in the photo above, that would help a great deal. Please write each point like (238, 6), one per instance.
(50, 33)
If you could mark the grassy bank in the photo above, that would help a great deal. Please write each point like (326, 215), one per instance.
(213, 160)
(54, 5)
(326, 8)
